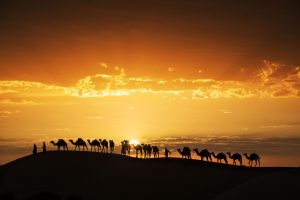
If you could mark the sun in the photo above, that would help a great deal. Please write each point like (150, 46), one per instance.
(134, 142)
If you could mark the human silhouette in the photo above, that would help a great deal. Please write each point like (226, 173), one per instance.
(34, 151)
(44, 147)
(167, 152)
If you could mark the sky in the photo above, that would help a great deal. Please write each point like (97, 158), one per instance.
(150, 69)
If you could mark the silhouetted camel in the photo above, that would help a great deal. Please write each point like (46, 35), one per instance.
(155, 151)
(185, 153)
(60, 143)
(94, 143)
(111, 146)
(203, 154)
(147, 150)
(138, 149)
(104, 144)
(125, 147)
(251, 158)
(235, 156)
(78, 143)
(221, 156)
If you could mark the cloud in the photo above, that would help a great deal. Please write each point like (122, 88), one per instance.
(277, 126)
(103, 65)
(171, 69)
(18, 102)
(95, 117)
(8, 113)
(272, 80)
(279, 80)
(226, 111)
(63, 129)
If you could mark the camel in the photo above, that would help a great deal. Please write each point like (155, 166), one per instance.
(60, 143)
(185, 153)
(78, 143)
(94, 143)
(203, 154)
(125, 148)
(220, 156)
(104, 144)
(111, 146)
(155, 151)
(147, 150)
(138, 149)
(235, 156)
(251, 158)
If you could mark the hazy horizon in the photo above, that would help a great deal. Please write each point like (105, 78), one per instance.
(274, 151)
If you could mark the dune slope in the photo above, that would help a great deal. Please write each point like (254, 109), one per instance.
(96, 176)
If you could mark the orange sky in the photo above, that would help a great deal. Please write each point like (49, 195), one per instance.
(143, 70)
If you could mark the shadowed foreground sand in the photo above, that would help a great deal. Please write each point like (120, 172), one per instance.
(87, 175)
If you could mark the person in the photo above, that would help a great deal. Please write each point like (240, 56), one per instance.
(44, 147)
(167, 152)
(34, 151)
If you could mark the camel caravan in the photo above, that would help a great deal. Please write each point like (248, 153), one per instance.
(146, 151)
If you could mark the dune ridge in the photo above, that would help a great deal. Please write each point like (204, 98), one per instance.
(90, 175)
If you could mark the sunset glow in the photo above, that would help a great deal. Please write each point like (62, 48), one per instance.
(134, 142)
(151, 71)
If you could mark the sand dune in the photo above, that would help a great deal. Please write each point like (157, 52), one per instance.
(87, 175)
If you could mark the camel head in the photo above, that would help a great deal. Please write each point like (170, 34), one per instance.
(196, 150)
(52, 142)
(228, 153)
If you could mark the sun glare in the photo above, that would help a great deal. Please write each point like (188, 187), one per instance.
(134, 142)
